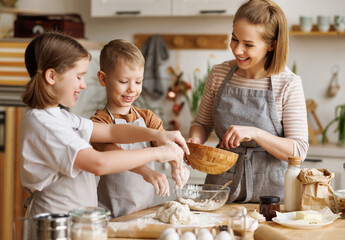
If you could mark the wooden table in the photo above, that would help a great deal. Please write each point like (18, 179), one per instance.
(266, 231)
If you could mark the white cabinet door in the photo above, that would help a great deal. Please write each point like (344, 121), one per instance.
(116, 8)
(204, 7)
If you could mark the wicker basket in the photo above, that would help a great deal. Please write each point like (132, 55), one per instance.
(209, 159)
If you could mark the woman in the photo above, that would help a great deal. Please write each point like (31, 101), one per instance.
(255, 104)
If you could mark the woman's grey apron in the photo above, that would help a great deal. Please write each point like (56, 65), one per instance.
(256, 172)
(126, 192)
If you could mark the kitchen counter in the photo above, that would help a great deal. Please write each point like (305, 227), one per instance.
(266, 231)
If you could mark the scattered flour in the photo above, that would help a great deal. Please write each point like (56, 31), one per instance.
(202, 206)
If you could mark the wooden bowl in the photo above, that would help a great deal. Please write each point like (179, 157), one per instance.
(209, 159)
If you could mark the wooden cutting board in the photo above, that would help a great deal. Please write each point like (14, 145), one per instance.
(128, 226)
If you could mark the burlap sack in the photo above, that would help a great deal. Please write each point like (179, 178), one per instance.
(317, 192)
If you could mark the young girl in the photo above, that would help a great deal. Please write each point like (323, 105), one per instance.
(58, 163)
(255, 96)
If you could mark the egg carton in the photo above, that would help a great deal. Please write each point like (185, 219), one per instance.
(221, 233)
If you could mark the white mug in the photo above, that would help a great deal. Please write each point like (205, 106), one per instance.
(306, 23)
(339, 23)
(323, 23)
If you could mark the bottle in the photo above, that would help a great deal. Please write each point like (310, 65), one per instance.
(293, 187)
(89, 223)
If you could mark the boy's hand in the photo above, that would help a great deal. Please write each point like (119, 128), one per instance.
(158, 180)
(164, 137)
(179, 175)
(171, 152)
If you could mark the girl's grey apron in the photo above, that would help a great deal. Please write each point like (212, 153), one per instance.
(126, 192)
(256, 172)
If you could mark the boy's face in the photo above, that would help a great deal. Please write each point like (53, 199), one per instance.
(124, 86)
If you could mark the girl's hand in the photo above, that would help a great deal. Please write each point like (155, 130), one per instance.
(194, 140)
(158, 180)
(180, 176)
(171, 152)
(237, 134)
(165, 137)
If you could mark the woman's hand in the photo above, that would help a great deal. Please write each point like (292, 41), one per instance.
(179, 175)
(237, 134)
(164, 137)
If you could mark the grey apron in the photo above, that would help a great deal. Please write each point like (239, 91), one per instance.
(256, 172)
(126, 192)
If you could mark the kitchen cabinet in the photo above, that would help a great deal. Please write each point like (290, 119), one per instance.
(204, 7)
(116, 8)
(330, 157)
(120, 8)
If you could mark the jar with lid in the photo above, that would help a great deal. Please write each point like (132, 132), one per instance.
(50, 226)
(89, 223)
(292, 186)
(268, 206)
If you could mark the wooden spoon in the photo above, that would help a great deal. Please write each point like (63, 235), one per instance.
(222, 188)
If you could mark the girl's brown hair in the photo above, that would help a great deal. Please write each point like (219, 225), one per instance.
(120, 50)
(276, 31)
(48, 50)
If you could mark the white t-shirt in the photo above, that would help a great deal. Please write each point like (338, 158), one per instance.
(50, 140)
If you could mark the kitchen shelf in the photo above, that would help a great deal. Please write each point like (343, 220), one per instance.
(296, 31)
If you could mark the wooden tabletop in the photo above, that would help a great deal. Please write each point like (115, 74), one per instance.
(266, 231)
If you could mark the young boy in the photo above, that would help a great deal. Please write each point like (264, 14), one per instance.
(121, 72)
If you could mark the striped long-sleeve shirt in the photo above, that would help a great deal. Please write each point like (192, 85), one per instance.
(289, 99)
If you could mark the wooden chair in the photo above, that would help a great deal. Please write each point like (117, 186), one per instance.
(311, 108)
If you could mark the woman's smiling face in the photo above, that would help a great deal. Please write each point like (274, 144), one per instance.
(248, 46)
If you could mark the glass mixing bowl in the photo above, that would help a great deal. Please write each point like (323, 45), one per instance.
(203, 197)
(339, 196)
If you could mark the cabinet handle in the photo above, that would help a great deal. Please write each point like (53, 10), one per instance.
(127, 12)
(312, 160)
(212, 11)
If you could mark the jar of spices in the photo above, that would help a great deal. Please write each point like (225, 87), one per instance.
(89, 223)
(268, 206)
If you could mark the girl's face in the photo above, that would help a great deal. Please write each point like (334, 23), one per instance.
(124, 86)
(249, 48)
(69, 84)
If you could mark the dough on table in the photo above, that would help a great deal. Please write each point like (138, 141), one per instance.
(174, 213)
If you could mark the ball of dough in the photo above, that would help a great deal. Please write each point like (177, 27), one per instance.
(175, 213)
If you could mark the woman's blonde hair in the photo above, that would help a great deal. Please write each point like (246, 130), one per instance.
(276, 31)
(120, 50)
(49, 50)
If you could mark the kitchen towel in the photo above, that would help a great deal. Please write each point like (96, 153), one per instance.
(155, 52)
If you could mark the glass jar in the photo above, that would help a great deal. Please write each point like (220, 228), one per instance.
(237, 220)
(89, 223)
(268, 206)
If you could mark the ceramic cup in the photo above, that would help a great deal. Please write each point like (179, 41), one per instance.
(323, 23)
(306, 23)
(339, 23)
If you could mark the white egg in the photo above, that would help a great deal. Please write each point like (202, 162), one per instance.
(168, 231)
(223, 235)
(188, 236)
(204, 234)
(169, 234)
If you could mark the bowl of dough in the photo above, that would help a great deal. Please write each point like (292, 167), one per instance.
(203, 197)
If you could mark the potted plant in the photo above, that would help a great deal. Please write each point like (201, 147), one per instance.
(194, 94)
(340, 120)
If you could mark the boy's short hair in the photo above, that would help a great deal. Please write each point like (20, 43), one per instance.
(271, 16)
(120, 50)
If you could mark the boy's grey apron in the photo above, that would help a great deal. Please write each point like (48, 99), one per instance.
(256, 172)
(126, 192)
